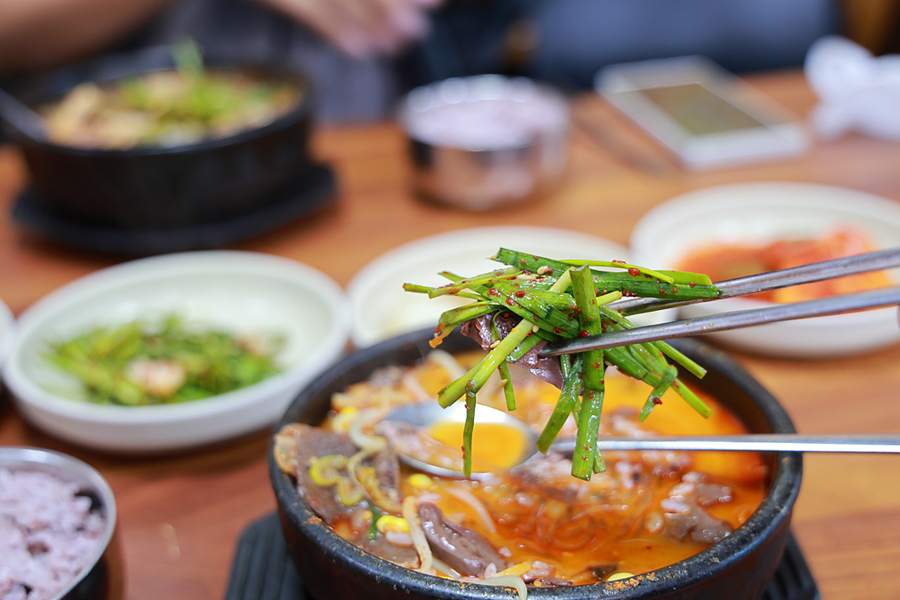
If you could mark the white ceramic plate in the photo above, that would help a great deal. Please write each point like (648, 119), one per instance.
(382, 309)
(7, 331)
(760, 213)
(236, 291)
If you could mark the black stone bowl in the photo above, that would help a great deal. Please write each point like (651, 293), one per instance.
(155, 187)
(102, 578)
(738, 568)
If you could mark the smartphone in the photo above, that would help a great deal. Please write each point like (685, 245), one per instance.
(706, 116)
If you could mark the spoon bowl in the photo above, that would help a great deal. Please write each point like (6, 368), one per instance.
(424, 416)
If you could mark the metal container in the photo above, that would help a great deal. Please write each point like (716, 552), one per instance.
(486, 142)
(102, 578)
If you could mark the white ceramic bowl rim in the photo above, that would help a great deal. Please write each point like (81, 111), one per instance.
(869, 205)
(7, 332)
(758, 212)
(158, 267)
(409, 256)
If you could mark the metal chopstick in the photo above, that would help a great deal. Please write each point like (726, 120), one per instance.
(773, 280)
(773, 442)
(726, 321)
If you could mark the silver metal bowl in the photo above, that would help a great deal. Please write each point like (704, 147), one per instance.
(486, 142)
(102, 576)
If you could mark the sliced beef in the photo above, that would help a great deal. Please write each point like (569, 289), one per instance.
(412, 441)
(697, 523)
(480, 330)
(460, 547)
(309, 442)
(712, 493)
(685, 514)
(297, 444)
(380, 547)
(552, 473)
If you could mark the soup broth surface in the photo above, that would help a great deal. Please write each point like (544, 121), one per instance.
(646, 511)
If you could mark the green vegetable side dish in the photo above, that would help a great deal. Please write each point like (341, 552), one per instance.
(137, 364)
(564, 299)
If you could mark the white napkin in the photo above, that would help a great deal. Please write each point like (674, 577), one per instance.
(856, 90)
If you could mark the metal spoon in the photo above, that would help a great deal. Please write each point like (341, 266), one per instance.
(426, 414)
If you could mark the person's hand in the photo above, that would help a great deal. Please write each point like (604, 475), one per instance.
(362, 28)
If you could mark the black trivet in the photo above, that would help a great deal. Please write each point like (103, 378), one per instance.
(263, 570)
(314, 191)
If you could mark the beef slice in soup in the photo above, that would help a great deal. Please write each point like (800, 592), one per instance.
(299, 445)
(314, 455)
(685, 515)
(479, 329)
(460, 547)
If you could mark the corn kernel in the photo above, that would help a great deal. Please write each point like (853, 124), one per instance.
(419, 481)
(620, 575)
(391, 523)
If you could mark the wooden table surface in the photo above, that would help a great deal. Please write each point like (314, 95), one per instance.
(180, 516)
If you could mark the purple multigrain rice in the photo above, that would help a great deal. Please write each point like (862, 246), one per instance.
(47, 534)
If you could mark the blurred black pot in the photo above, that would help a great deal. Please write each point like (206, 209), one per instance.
(162, 188)
(738, 568)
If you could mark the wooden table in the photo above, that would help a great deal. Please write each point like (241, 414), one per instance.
(181, 516)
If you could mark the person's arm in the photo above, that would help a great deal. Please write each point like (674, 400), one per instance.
(361, 27)
(44, 33)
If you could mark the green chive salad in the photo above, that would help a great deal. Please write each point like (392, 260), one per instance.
(564, 299)
(168, 362)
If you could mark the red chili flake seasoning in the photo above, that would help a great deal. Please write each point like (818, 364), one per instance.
(662, 292)
(519, 294)
(493, 292)
(634, 272)
(590, 395)
(657, 400)
(627, 294)
(522, 261)
(506, 315)
(692, 284)
(510, 302)
(597, 365)
(557, 330)
(674, 290)
(621, 262)
(584, 333)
